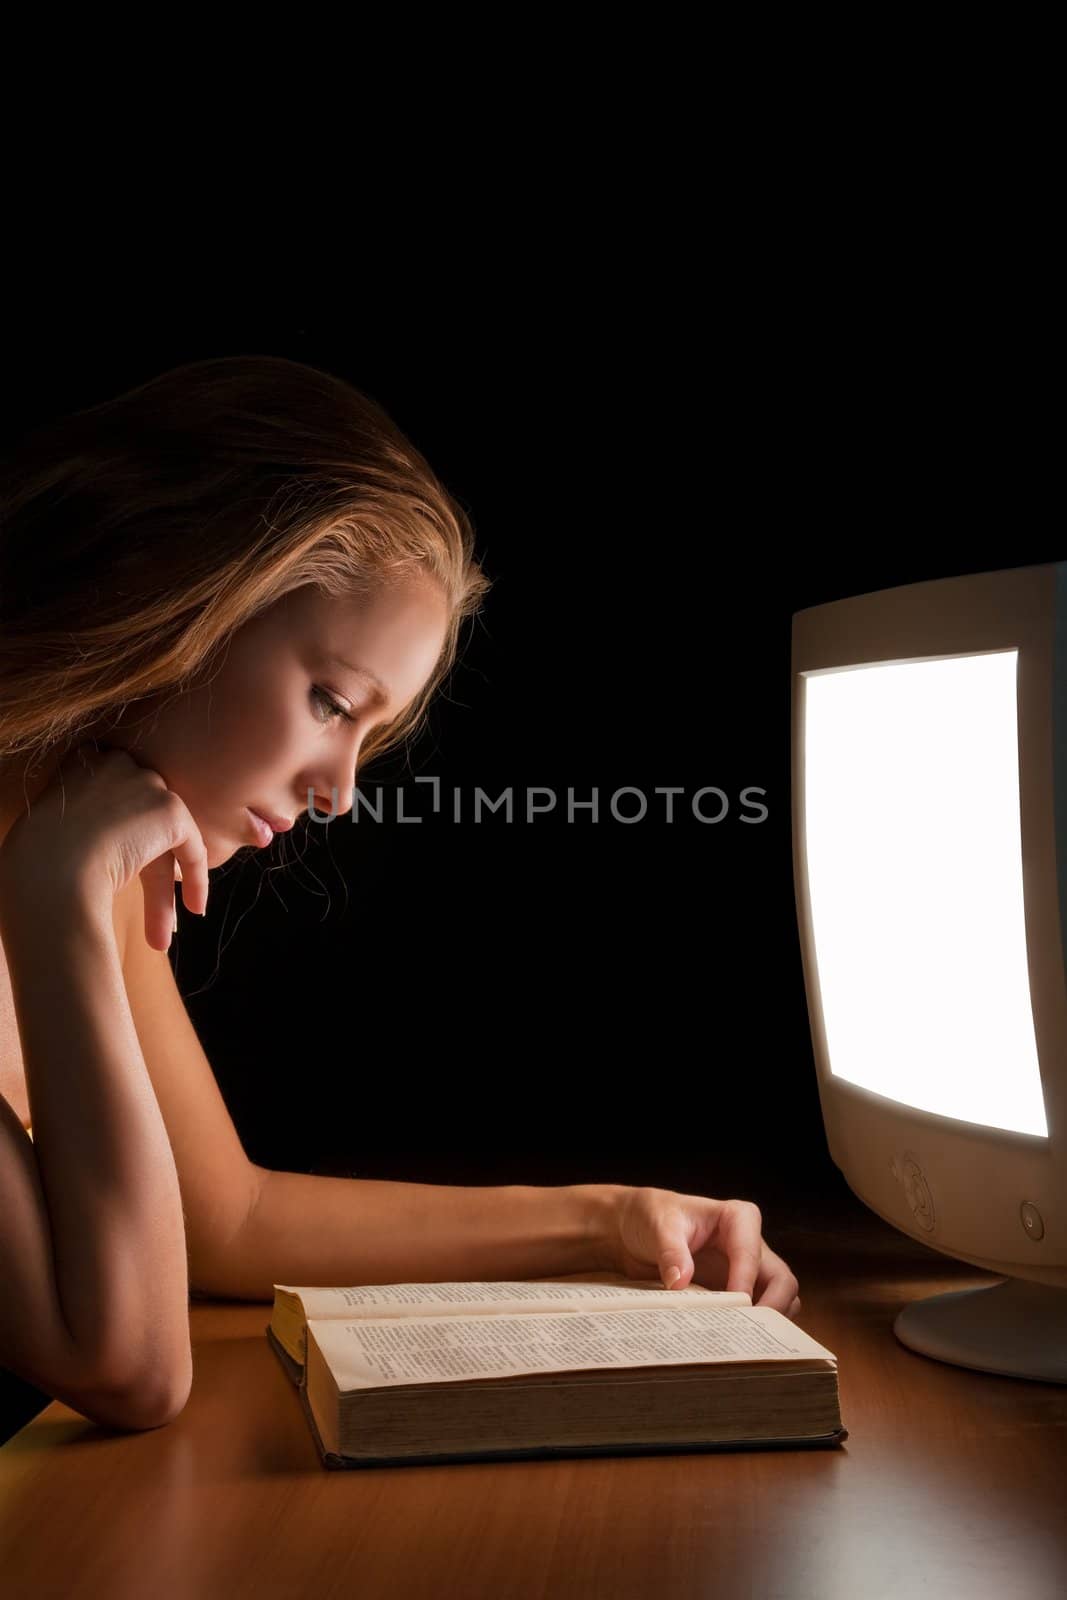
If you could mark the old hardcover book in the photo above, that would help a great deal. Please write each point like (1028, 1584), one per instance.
(593, 1364)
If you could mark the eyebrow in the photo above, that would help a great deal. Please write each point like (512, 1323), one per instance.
(363, 672)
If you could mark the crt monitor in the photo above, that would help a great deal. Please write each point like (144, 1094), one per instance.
(929, 797)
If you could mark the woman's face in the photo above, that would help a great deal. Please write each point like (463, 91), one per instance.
(267, 728)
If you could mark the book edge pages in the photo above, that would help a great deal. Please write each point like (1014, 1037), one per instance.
(333, 1462)
(294, 1370)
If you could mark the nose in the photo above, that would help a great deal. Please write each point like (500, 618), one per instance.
(324, 807)
(331, 791)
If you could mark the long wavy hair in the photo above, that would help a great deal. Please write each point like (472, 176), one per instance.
(137, 535)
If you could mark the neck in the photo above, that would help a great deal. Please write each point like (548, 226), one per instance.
(21, 781)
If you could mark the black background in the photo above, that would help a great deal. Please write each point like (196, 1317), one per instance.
(656, 485)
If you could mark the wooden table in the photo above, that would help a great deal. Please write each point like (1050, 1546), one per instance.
(951, 1484)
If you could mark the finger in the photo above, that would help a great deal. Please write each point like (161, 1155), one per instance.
(777, 1295)
(781, 1291)
(672, 1255)
(193, 874)
(160, 910)
(741, 1241)
(675, 1264)
(191, 871)
(778, 1284)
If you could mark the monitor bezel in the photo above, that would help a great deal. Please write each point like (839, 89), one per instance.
(915, 1168)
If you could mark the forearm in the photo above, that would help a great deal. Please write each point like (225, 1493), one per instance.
(100, 1145)
(306, 1229)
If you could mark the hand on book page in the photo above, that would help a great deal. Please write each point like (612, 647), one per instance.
(686, 1238)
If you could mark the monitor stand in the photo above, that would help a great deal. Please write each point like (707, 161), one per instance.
(1015, 1328)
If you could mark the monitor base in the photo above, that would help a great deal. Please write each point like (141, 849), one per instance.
(1015, 1328)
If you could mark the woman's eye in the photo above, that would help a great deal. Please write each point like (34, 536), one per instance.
(329, 706)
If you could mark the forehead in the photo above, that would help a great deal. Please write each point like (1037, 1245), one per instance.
(392, 638)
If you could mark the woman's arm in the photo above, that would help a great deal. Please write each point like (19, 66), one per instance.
(99, 1235)
(248, 1227)
(306, 1229)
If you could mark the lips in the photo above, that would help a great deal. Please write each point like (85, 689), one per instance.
(278, 824)
(264, 831)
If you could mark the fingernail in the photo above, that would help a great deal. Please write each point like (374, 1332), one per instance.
(175, 927)
(673, 1274)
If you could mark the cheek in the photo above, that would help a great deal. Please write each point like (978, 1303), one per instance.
(230, 740)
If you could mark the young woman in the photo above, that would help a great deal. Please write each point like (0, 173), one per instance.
(220, 594)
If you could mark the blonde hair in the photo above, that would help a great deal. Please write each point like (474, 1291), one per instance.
(137, 535)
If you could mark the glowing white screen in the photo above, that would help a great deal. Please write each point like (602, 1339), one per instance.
(914, 855)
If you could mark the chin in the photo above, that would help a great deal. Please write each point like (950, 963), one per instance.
(220, 848)
(217, 854)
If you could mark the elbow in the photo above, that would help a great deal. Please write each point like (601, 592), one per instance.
(155, 1407)
(146, 1401)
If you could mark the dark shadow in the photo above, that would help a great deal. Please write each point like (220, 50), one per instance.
(20, 1402)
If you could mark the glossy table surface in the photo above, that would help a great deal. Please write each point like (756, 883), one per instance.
(951, 1483)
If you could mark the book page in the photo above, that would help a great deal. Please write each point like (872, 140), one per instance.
(579, 1292)
(372, 1354)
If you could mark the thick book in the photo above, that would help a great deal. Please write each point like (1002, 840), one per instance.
(406, 1374)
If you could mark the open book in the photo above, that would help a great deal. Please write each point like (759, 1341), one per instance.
(589, 1364)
